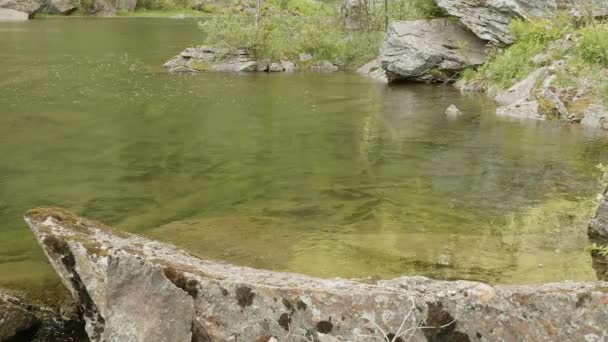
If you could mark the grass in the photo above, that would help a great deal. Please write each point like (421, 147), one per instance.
(586, 58)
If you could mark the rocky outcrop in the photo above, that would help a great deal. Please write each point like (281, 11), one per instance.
(206, 58)
(453, 112)
(103, 8)
(26, 6)
(490, 19)
(12, 15)
(519, 101)
(21, 321)
(131, 288)
(429, 50)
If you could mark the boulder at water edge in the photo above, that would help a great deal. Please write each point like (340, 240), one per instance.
(598, 228)
(12, 15)
(429, 50)
(134, 289)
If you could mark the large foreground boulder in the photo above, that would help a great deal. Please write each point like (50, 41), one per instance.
(490, 19)
(429, 50)
(134, 289)
(27, 6)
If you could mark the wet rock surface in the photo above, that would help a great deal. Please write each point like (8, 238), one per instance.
(429, 50)
(22, 321)
(222, 302)
(205, 58)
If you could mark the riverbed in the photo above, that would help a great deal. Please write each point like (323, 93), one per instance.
(324, 174)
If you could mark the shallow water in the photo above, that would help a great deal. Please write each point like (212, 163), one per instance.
(329, 175)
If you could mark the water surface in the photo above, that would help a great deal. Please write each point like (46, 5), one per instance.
(329, 175)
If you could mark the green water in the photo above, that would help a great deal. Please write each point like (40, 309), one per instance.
(329, 175)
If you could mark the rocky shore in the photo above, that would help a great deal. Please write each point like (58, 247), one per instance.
(130, 288)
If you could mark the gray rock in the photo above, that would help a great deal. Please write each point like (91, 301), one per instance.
(103, 267)
(64, 7)
(27, 6)
(103, 8)
(23, 321)
(373, 69)
(429, 50)
(14, 317)
(289, 66)
(324, 67)
(555, 101)
(598, 228)
(596, 116)
(522, 91)
(12, 15)
(453, 112)
(522, 110)
(490, 19)
(206, 58)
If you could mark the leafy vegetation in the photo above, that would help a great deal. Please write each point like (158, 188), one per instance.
(290, 27)
(598, 250)
(582, 43)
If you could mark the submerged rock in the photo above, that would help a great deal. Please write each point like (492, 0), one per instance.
(429, 50)
(12, 15)
(206, 58)
(139, 289)
(490, 19)
(453, 112)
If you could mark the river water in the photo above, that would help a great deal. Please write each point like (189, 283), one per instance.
(328, 175)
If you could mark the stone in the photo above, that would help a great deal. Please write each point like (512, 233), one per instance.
(490, 19)
(12, 15)
(373, 69)
(103, 268)
(206, 58)
(288, 66)
(598, 227)
(555, 101)
(23, 321)
(27, 6)
(596, 116)
(103, 8)
(14, 317)
(522, 90)
(275, 67)
(522, 110)
(324, 67)
(63, 7)
(453, 112)
(429, 50)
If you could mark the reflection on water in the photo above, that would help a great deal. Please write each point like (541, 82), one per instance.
(329, 175)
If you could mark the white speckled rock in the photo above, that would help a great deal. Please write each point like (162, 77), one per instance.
(109, 270)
